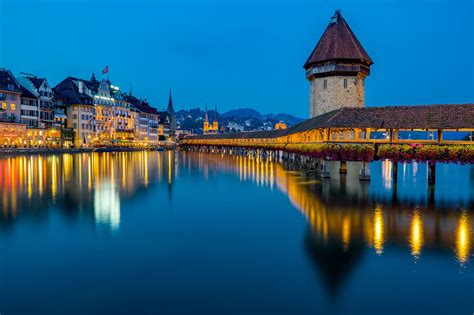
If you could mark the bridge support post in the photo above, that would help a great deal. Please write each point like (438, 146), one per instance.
(325, 169)
(431, 172)
(364, 173)
(394, 170)
(303, 161)
(343, 167)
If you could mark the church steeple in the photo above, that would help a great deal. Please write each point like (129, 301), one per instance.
(170, 109)
(205, 128)
(172, 115)
(93, 79)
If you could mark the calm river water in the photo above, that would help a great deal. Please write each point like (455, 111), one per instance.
(191, 233)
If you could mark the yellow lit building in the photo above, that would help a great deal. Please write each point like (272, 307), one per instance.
(280, 125)
(208, 127)
(78, 99)
(12, 134)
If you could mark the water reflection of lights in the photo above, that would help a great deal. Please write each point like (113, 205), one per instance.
(463, 239)
(416, 234)
(387, 174)
(346, 232)
(169, 168)
(378, 238)
(107, 206)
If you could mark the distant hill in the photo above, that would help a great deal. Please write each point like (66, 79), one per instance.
(242, 113)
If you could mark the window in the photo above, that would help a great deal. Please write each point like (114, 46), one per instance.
(4, 105)
(345, 83)
(325, 84)
(12, 106)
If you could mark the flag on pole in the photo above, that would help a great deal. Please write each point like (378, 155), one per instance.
(106, 70)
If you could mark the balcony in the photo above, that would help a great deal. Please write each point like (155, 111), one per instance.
(5, 117)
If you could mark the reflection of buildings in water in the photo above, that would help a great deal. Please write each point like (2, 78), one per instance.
(30, 185)
(345, 211)
(107, 205)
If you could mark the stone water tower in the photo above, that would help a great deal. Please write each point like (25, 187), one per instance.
(336, 69)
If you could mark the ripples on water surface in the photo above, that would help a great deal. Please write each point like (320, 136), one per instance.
(166, 232)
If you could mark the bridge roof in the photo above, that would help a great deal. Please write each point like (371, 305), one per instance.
(456, 116)
(396, 117)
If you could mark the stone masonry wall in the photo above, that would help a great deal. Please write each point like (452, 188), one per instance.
(335, 95)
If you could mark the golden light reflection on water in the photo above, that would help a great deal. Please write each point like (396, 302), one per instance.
(416, 234)
(91, 182)
(346, 232)
(334, 211)
(378, 238)
(331, 218)
(463, 238)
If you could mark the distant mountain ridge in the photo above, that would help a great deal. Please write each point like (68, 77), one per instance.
(234, 120)
(243, 113)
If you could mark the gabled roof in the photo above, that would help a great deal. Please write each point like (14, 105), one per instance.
(338, 42)
(141, 105)
(69, 92)
(163, 115)
(8, 81)
(37, 82)
(25, 93)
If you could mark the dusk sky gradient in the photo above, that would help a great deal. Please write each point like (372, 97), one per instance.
(237, 54)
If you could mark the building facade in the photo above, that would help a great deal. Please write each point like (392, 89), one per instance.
(211, 127)
(10, 91)
(336, 69)
(80, 110)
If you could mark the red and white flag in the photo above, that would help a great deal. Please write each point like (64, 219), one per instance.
(106, 70)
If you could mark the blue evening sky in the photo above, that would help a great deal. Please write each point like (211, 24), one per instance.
(242, 53)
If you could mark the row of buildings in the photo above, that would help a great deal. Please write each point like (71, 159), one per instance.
(77, 113)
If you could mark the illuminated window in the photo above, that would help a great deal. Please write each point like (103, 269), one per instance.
(4, 105)
(12, 106)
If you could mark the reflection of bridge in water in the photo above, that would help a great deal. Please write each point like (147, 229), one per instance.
(346, 217)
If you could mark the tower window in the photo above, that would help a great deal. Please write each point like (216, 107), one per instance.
(325, 84)
(345, 83)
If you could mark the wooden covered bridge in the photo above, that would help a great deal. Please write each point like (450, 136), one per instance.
(428, 133)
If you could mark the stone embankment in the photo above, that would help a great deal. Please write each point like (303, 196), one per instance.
(28, 151)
